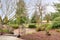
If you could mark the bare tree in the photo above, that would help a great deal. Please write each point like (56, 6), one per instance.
(8, 7)
(41, 10)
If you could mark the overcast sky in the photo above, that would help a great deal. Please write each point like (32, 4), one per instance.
(30, 5)
(10, 12)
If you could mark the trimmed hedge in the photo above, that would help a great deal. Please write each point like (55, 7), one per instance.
(32, 26)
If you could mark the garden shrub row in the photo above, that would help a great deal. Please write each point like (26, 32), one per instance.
(32, 26)
(42, 27)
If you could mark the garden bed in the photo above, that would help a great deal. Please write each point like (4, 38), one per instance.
(42, 36)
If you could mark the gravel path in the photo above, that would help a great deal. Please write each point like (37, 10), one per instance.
(26, 31)
(9, 38)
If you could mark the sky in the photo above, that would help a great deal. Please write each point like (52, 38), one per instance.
(4, 11)
(30, 4)
(49, 8)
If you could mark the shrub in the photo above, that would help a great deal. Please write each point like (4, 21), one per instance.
(56, 23)
(5, 31)
(15, 26)
(38, 29)
(32, 26)
(47, 33)
(45, 25)
(49, 26)
(1, 30)
(57, 30)
(42, 27)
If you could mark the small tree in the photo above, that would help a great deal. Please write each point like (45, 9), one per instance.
(20, 13)
(47, 17)
(5, 20)
(34, 17)
(0, 20)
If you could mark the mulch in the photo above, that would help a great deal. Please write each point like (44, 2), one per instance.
(42, 36)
